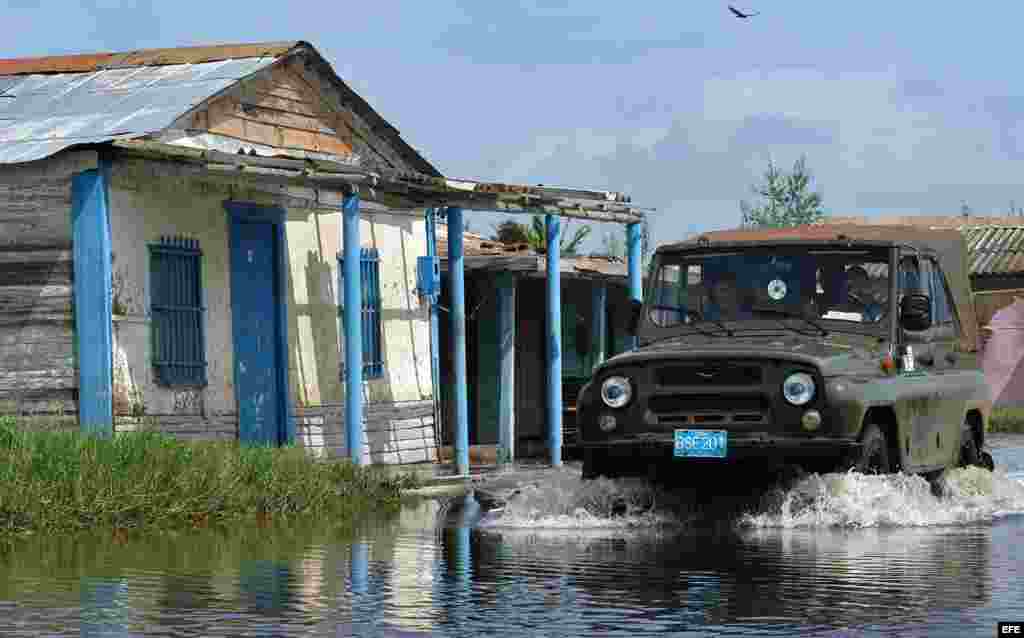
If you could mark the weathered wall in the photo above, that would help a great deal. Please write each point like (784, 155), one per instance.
(399, 414)
(141, 212)
(38, 374)
(317, 340)
(279, 110)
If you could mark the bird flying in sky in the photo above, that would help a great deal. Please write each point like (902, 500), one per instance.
(739, 14)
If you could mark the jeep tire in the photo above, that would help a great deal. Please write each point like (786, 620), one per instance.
(969, 454)
(874, 455)
(596, 463)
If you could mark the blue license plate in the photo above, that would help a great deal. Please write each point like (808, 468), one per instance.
(701, 443)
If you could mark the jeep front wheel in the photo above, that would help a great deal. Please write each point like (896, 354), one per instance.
(874, 452)
(596, 463)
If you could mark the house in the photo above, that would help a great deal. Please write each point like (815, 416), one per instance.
(595, 311)
(193, 279)
(180, 228)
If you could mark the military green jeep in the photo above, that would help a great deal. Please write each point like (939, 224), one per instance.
(829, 347)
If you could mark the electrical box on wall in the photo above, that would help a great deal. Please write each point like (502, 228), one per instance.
(428, 276)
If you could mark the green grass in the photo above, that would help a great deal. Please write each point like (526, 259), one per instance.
(65, 481)
(1007, 420)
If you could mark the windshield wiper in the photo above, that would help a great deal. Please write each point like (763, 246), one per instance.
(694, 314)
(793, 315)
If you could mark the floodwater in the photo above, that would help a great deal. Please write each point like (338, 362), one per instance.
(836, 555)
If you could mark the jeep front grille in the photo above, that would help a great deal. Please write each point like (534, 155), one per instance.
(691, 409)
(709, 374)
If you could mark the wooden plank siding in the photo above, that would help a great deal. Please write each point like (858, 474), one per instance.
(38, 373)
(282, 111)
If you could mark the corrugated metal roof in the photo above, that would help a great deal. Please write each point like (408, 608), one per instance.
(995, 250)
(41, 114)
(148, 90)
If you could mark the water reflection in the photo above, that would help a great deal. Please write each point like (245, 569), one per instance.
(104, 612)
(429, 571)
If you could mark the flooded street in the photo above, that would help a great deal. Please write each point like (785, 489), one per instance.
(835, 555)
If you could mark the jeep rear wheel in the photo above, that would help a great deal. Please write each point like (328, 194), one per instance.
(874, 452)
(968, 447)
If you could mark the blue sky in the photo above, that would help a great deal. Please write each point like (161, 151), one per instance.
(901, 108)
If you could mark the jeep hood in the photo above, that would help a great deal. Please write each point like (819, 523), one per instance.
(834, 355)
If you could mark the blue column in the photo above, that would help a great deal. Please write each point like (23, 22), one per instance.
(103, 607)
(599, 323)
(457, 278)
(633, 258)
(554, 327)
(359, 584)
(90, 227)
(353, 300)
(435, 337)
(507, 367)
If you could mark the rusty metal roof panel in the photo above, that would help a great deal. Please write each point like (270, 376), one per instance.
(89, 62)
(43, 114)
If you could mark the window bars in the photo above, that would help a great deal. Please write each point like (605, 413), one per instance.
(179, 345)
(369, 277)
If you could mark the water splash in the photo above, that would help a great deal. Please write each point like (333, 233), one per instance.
(960, 496)
(566, 502)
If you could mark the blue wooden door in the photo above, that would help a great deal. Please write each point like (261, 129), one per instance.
(254, 291)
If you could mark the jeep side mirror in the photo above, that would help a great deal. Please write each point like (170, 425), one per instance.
(915, 312)
(637, 310)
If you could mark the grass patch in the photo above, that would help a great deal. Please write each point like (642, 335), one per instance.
(66, 481)
(1007, 420)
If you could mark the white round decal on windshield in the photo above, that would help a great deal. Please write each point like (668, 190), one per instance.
(777, 289)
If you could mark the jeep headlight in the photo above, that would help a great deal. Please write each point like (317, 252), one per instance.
(616, 391)
(798, 388)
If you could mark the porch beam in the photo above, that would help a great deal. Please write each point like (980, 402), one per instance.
(507, 367)
(457, 286)
(633, 262)
(554, 340)
(353, 329)
(90, 226)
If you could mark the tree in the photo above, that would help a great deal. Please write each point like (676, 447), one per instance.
(511, 232)
(787, 199)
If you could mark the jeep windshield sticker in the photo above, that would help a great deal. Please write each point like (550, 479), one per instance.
(777, 289)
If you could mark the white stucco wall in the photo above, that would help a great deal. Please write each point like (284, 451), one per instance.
(145, 208)
(138, 217)
(314, 243)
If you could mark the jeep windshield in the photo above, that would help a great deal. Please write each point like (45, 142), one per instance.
(770, 288)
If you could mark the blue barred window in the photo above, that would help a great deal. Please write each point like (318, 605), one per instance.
(369, 278)
(179, 345)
